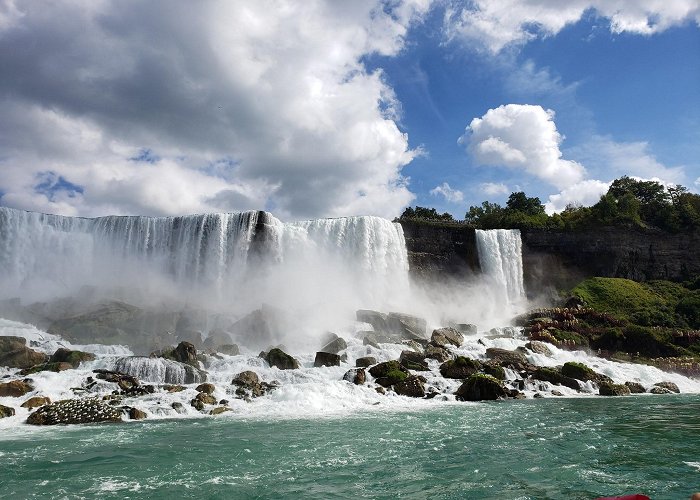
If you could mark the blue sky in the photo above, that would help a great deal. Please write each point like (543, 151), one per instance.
(328, 108)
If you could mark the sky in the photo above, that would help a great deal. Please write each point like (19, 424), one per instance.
(334, 108)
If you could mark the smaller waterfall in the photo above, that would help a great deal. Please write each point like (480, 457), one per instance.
(500, 257)
(158, 370)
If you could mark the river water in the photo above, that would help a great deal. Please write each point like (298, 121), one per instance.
(553, 448)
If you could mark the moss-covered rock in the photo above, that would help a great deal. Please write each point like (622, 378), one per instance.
(480, 387)
(554, 376)
(495, 371)
(459, 368)
(412, 386)
(580, 371)
(389, 373)
(412, 360)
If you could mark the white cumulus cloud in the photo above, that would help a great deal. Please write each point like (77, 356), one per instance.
(494, 25)
(451, 195)
(584, 193)
(522, 137)
(493, 188)
(239, 105)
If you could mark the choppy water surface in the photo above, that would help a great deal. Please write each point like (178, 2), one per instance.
(554, 448)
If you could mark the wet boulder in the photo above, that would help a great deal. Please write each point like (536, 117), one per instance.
(15, 354)
(335, 346)
(74, 358)
(389, 373)
(393, 327)
(554, 376)
(6, 411)
(538, 348)
(508, 359)
(635, 387)
(326, 359)
(136, 414)
(412, 360)
(412, 386)
(356, 376)
(184, 352)
(365, 362)
(229, 349)
(277, 357)
(437, 353)
(15, 388)
(669, 386)
(75, 411)
(249, 385)
(459, 368)
(465, 328)
(494, 370)
(205, 398)
(443, 337)
(481, 387)
(36, 402)
(206, 388)
(659, 390)
(219, 410)
(580, 371)
(57, 366)
(609, 389)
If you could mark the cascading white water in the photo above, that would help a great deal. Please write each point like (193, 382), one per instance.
(356, 261)
(500, 257)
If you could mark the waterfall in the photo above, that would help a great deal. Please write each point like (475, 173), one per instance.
(500, 257)
(156, 370)
(204, 258)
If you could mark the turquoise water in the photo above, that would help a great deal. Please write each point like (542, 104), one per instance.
(553, 448)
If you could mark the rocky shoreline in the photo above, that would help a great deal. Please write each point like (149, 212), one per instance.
(421, 367)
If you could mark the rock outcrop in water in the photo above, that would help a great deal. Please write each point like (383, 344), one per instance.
(75, 411)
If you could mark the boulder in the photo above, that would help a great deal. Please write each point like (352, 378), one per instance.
(465, 328)
(659, 390)
(412, 386)
(75, 411)
(219, 410)
(389, 373)
(554, 376)
(249, 385)
(216, 338)
(582, 372)
(74, 358)
(247, 378)
(335, 346)
(356, 376)
(277, 357)
(229, 349)
(635, 387)
(459, 368)
(36, 402)
(15, 354)
(206, 388)
(538, 347)
(58, 366)
(6, 411)
(205, 398)
(184, 352)
(15, 388)
(371, 339)
(608, 389)
(136, 414)
(326, 359)
(480, 387)
(395, 326)
(446, 336)
(437, 353)
(412, 360)
(668, 385)
(365, 362)
(506, 358)
(494, 370)
(197, 404)
(178, 407)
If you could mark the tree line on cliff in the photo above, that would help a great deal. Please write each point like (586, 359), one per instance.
(628, 202)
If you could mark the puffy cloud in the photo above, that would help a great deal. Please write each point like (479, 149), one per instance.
(451, 195)
(522, 137)
(495, 25)
(493, 188)
(241, 105)
(626, 158)
(584, 193)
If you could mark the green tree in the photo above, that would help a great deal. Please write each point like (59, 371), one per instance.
(519, 202)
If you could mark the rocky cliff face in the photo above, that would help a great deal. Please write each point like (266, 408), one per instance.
(439, 251)
(557, 259)
(561, 258)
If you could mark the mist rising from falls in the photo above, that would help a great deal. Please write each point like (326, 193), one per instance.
(216, 261)
(500, 257)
